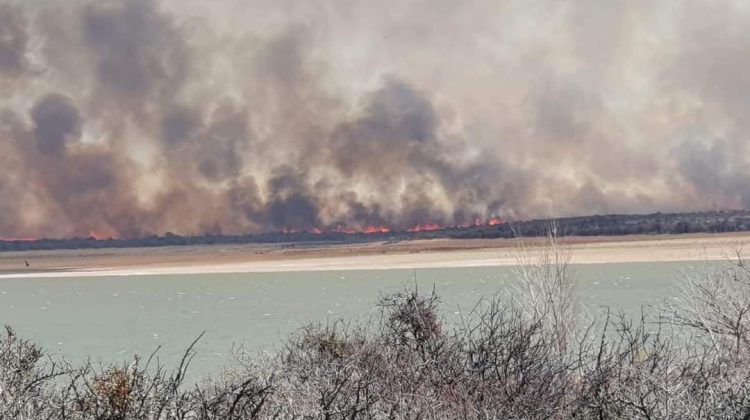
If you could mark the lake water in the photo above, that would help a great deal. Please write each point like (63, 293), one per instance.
(111, 318)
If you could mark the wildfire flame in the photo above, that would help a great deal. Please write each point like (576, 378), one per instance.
(101, 235)
(344, 229)
(428, 227)
(495, 221)
(376, 229)
(367, 230)
(11, 239)
(340, 228)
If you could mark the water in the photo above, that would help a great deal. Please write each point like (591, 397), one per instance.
(112, 318)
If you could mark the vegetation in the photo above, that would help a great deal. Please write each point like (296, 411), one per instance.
(618, 225)
(526, 354)
(605, 225)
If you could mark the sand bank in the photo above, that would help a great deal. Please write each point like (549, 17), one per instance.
(377, 255)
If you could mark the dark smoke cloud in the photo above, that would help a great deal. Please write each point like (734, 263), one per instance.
(396, 125)
(135, 117)
(56, 121)
(290, 206)
(138, 53)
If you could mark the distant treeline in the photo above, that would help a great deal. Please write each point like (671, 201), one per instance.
(619, 224)
(603, 225)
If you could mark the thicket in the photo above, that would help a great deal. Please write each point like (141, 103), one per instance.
(527, 353)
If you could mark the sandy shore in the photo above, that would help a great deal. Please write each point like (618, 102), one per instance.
(376, 255)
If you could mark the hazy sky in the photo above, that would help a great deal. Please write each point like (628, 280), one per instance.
(130, 117)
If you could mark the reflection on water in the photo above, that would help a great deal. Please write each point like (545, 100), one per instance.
(110, 318)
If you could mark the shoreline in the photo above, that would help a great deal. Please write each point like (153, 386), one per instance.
(437, 253)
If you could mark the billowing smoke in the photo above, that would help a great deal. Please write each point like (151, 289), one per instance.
(134, 117)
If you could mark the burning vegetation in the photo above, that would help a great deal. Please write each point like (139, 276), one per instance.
(603, 225)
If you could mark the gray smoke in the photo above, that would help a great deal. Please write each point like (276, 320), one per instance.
(56, 121)
(136, 117)
(13, 41)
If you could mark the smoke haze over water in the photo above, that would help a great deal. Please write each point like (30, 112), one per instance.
(135, 117)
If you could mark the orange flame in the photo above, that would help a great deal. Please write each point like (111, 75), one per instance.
(376, 229)
(427, 227)
(101, 235)
(344, 229)
(495, 221)
(12, 239)
(368, 230)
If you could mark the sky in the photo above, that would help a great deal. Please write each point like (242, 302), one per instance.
(133, 117)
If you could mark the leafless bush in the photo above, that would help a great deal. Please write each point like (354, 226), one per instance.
(547, 288)
(513, 368)
(716, 303)
(34, 390)
(233, 397)
(136, 391)
(23, 376)
(409, 319)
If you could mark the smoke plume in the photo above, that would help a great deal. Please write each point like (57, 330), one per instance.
(134, 117)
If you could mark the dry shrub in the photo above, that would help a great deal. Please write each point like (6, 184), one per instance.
(24, 376)
(115, 387)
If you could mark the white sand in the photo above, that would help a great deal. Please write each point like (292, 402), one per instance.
(605, 250)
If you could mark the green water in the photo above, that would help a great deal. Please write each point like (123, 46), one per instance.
(111, 318)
